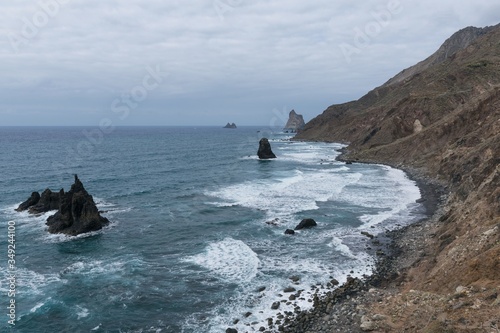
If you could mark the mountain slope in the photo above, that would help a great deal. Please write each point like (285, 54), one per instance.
(440, 118)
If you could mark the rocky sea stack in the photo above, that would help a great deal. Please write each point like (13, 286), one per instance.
(295, 123)
(230, 125)
(76, 210)
(265, 151)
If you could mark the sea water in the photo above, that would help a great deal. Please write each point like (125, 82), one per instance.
(196, 241)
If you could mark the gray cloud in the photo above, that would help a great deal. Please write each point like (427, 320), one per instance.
(67, 61)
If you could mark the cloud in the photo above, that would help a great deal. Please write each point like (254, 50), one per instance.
(227, 57)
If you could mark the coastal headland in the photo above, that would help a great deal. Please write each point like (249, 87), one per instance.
(440, 122)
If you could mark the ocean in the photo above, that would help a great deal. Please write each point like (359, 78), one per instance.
(196, 242)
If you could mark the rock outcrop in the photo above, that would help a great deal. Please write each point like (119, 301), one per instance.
(77, 213)
(230, 125)
(295, 122)
(265, 151)
(38, 204)
(306, 223)
(76, 210)
(48, 201)
(31, 201)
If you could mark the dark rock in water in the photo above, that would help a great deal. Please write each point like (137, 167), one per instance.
(306, 223)
(77, 212)
(32, 200)
(367, 234)
(289, 232)
(232, 125)
(231, 330)
(334, 282)
(275, 306)
(48, 201)
(265, 151)
(276, 221)
(289, 290)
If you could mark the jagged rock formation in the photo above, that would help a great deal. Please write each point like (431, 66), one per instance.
(77, 213)
(48, 201)
(38, 204)
(441, 119)
(31, 201)
(295, 122)
(265, 151)
(76, 210)
(230, 125)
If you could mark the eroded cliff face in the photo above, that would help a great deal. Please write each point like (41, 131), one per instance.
(442, 120)
(295, 122)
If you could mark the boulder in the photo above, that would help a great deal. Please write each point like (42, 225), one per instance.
(32, 200)
(48, 201)
(367, 234)
(77, 212)
(306, 223)
(289, 232)
(265, 151)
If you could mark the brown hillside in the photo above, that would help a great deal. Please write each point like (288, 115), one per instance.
(442, 119)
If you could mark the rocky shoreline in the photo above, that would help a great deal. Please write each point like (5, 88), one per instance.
(445, 269)
(345, 308)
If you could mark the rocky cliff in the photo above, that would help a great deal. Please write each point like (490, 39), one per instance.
(439, 118)
(295, 122)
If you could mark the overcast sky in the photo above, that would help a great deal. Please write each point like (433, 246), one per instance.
(208, 62)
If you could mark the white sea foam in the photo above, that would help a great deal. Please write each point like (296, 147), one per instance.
(62, 238)
(96, 328)
(28, 282)
(338, 245)
(230, 259)
(283, 197)
(81, 312)
(247, 299)
(389, 193)
(94, 268)
(37, 306)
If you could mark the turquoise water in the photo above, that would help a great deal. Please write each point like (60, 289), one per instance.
(188, 246)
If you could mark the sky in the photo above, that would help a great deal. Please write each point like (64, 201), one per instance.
(209, 62)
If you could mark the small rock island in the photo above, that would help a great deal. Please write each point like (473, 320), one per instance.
(265, 151)
(76, 210)
(295, 123)
(230, 125)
